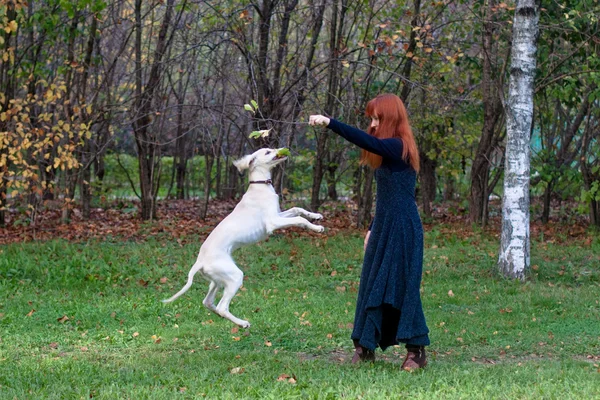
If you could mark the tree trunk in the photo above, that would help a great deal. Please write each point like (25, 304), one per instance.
(365, 199)
(588, 164)
(428, 182)
(148, 149)
(208, 162)
(332, 181)
(547, 199)
(181, 155)
(492, 110)
(7, 87)
(412, 43)
(321, 157)
(514, 257)
(85, 188)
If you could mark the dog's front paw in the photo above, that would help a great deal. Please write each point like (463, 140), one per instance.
(320, 229)
(315, 216)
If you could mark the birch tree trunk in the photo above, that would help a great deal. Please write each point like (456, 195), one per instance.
(514, 260)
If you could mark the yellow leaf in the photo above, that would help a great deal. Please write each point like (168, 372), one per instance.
(11, 27)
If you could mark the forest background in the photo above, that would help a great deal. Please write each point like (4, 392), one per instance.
(127, 105)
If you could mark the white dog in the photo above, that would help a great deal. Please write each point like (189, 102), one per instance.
(255, 217)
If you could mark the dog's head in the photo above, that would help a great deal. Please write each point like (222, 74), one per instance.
(265, 158)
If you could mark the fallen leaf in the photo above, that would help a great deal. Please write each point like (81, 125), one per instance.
(63, 319)
(268, 344)
(450, 293)
(235, 329)
(237, 370)
(164, 279)
(283, 377)
(53, 345)
(30, 313)
(135, 334)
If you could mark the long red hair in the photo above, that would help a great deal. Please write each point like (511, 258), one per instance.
(393, 123)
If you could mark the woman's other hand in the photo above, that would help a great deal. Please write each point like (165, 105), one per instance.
(367, 239)
(318, 120)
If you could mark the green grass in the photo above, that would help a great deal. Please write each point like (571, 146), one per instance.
(99, 330)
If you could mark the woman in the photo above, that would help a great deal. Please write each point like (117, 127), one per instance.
(388, 309)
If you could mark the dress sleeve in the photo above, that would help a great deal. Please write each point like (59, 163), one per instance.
(387, 148)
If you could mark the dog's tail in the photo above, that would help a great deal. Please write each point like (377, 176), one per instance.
(185, 287)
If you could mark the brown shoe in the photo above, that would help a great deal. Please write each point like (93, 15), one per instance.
(362, 353)
(415, 359)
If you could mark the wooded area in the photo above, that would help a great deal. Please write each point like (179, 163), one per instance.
(89, 86)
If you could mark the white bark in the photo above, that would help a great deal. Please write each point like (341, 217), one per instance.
(514, 260)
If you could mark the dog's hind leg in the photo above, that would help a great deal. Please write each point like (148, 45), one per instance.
(231, 277)
(209, 300)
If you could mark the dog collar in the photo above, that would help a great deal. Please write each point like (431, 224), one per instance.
(267, 182)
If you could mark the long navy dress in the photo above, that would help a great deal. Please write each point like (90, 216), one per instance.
(388, 308)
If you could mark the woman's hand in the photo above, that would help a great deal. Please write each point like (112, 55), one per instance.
(318, 120)
(367, 239)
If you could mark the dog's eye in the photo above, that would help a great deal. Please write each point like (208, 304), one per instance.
(267, 153)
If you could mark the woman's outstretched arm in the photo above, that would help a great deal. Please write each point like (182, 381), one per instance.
(388, 148)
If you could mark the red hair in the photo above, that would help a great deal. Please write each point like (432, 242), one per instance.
(393, 123)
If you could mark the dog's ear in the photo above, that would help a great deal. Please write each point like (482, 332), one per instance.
(244, 162)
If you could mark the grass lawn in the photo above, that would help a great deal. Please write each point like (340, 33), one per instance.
(84, 320)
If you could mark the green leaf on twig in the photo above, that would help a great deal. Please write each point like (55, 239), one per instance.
(258, 134)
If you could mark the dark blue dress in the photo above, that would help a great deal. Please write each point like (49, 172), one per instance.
(388, 308)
